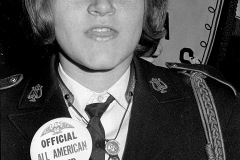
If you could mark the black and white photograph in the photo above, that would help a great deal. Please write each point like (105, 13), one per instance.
(120, 79)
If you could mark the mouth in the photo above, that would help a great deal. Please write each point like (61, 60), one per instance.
(101, 33)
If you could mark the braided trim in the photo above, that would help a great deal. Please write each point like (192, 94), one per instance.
(209, 116)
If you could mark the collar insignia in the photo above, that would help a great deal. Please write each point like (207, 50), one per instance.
(35, 93)
(158, 85)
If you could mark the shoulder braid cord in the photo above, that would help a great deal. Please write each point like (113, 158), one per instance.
(207, 108)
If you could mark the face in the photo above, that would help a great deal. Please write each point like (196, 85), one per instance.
(98, 34)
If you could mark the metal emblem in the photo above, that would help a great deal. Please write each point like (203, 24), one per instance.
(35, 93)
(159, 85)
(112, 147)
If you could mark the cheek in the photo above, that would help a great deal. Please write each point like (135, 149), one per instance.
(133, 22)
(67, 29)
(133, 14)
(67, 21)
(67, 15)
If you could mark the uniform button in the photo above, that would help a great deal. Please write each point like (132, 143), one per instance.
(100, 98)
(13, 80)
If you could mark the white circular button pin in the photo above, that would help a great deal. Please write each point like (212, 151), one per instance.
(61, 139)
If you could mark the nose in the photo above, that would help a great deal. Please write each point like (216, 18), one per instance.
(101, 8)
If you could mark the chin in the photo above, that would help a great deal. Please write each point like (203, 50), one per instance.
(106, 65)
(102, 60)
(100, 68)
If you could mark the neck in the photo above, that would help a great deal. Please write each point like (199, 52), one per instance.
(97, 81)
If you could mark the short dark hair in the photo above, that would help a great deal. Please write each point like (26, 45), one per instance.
(41, 19)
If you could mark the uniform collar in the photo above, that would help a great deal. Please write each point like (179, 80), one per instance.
(45, 81)
(41, 85)
(158, 82)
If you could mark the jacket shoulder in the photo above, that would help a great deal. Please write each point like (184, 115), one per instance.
(206, 70)
(10, 81)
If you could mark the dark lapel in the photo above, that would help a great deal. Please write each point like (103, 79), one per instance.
(151, 127)
(48, 105)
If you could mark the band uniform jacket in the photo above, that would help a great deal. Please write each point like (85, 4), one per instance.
(167, 121)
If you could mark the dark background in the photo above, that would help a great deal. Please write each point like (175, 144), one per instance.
(20, 53)
(225, 54)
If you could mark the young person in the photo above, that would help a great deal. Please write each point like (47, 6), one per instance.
(185, 112)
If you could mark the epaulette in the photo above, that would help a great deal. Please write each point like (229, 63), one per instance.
(10, 81)
(206, 105)
(206, 70)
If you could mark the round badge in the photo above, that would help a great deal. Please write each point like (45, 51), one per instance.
(112, 147)
(61, 139)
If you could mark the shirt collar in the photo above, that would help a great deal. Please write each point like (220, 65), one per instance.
(118, 90)
(83, 95)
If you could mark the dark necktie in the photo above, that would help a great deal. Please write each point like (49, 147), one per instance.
(95, 112)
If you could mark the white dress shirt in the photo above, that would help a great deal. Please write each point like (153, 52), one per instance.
(112, 117)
